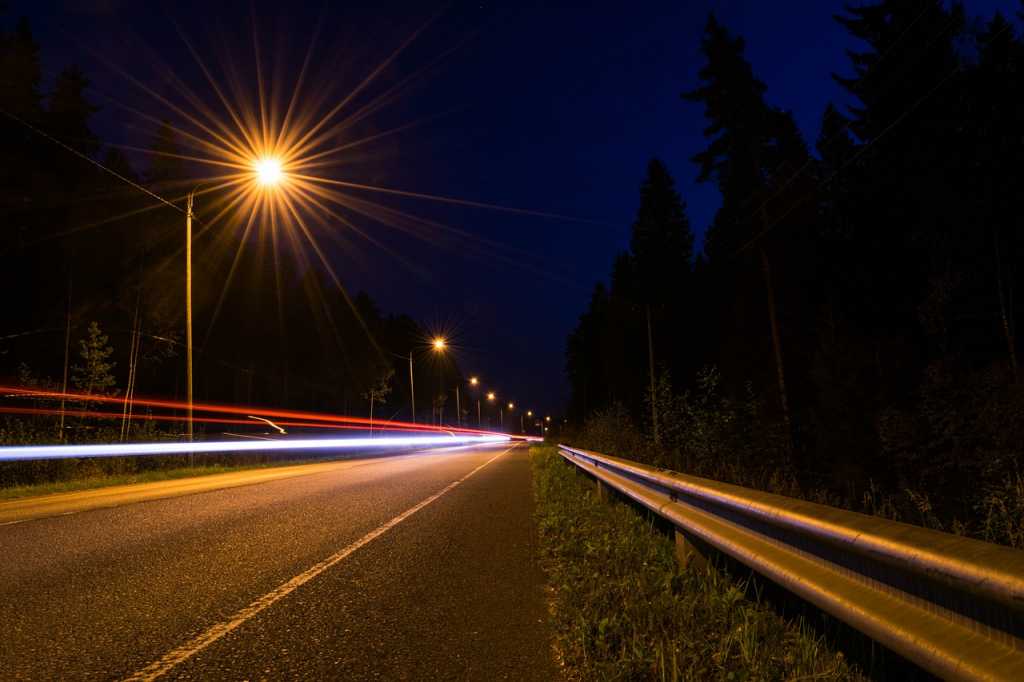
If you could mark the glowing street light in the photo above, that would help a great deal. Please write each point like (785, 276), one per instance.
(268, 171)
(440, 345)
(529, 413)
(474, 382)
(511, 406)
(490, 396)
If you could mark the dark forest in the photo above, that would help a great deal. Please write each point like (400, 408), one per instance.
(848, 332)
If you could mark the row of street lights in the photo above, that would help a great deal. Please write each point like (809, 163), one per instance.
(440, 345)
(269, 174)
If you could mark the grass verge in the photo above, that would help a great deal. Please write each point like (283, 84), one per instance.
(625, 610)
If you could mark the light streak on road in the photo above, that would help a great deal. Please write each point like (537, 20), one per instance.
(270, 423)
(381, 425)
(243, 410)
(38, 452)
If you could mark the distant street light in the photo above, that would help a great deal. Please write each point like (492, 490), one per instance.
(476, 382)
(439, 345)
(491, 398)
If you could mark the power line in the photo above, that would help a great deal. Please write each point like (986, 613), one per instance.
(89, 159)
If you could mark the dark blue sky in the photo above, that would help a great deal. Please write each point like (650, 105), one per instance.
(555, 108)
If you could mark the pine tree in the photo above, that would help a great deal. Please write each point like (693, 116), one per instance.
(166, 170)
(911, 51)
(69, 110)
(380, 390)
(20, 73)
(94, 375)
(908, 85)
(754, 155)
(662, 253)
(662, 242)
(584, 358)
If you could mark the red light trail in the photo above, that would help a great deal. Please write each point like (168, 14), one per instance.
(283, 417)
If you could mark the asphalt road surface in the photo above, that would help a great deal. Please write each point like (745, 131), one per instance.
(416, 567)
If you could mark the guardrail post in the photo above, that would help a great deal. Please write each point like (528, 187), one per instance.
(602, 490)
(689, 551)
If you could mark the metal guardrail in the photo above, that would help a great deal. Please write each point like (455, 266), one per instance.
(952, 605)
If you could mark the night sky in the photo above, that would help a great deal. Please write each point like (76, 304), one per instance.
(550, 108)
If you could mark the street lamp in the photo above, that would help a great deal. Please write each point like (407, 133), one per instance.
(475, 382)
(491, 398)
(439, 344)
(268, 173)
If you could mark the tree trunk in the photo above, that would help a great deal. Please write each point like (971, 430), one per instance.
(650, 366)
(1011, 345)
(776, 343)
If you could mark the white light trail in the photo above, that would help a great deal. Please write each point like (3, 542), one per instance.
(19, 453)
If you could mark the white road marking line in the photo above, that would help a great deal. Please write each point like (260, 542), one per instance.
(211, 635)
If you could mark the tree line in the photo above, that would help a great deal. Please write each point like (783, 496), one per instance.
(862, 294)
(82, 246)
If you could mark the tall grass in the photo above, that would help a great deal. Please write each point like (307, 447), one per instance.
(625, 610)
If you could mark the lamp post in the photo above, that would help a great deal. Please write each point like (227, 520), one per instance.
(440, 344)
(188, 312)
(490, 398)
(473, 381)
(412, 390)
(268, 173)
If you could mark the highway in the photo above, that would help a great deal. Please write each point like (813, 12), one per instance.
(417, 566)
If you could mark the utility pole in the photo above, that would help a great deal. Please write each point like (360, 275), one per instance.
(188, 316)
(412, 390)
(458, 407)
(67, 350)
